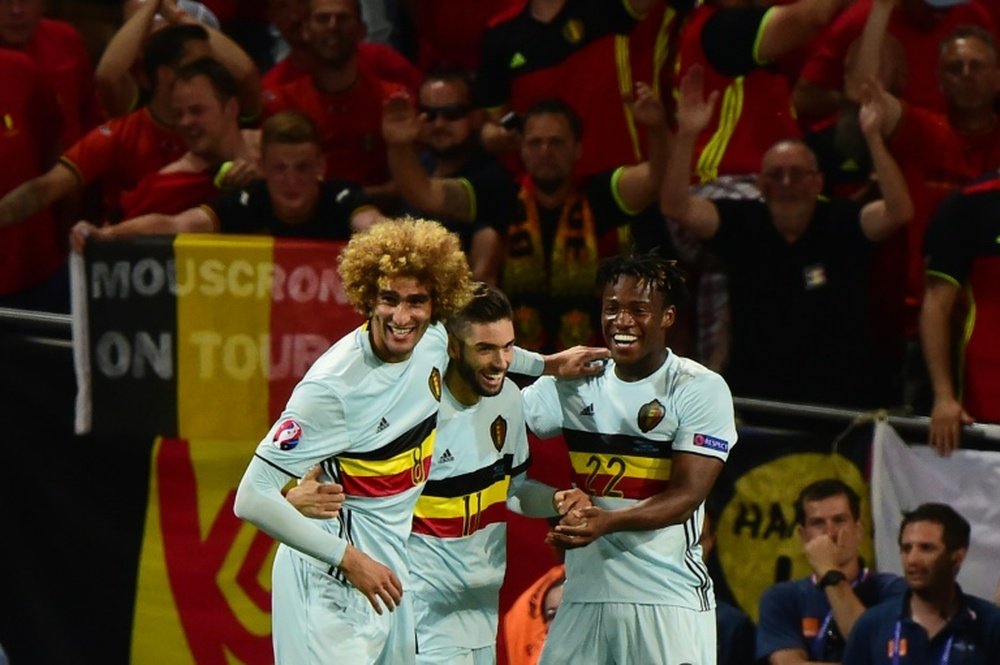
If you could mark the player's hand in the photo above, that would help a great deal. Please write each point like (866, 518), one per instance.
(579, 528)
(79, 234)
(379, 584)
(947, 418)
(400, 121)
(823, 553)
(694, 112)
(577, 361)
(647, 108)
(315, 499)
(566, 501)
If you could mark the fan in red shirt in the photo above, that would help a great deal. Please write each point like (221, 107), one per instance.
(32, 251)
(287, 17)
(340, 95)
(58, 50)
(450, 32)
(917, 26)
(120, 152)
(205, 102)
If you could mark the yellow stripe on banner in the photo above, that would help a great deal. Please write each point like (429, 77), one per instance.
(404, 461)
(729, 115)
(646, 468)
(223, 335)
(430, 507)
(204, 577)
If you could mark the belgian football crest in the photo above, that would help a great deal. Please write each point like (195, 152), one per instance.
(498, 432)
(434, 383)
(650, 415)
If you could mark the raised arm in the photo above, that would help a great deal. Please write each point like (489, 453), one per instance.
(787, 27)
(639, 185)
(695, 213)
(867, 62)
(880, 219)
(441, 197)
(115, 86)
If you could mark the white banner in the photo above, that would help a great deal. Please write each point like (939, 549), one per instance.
(903, 477)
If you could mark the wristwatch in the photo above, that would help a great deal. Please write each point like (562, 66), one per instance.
(831, 577)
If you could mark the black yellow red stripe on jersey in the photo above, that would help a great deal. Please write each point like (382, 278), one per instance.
(396, 467)
(461, 505)
(618, 465)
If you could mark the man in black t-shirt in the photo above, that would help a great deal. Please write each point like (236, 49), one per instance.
(797, 264)
(445, 127)
(291, 201)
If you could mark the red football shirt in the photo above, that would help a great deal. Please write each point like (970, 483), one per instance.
(31, 250)
(753, 111)
(936, 161)
(350, 124)
(384, 61)
(452, 32)
(122, 151)
(826, 66)
(170, 193)
(59, 51)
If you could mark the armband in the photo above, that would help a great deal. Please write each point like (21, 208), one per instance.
(221, 174)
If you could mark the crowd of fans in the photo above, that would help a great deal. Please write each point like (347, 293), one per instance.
(791, 156)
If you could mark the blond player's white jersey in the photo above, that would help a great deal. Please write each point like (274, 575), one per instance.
(622, 437)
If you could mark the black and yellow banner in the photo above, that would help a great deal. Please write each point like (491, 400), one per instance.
(202, 336)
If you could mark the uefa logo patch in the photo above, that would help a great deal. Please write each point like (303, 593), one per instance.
(710, 442)
(288, 435)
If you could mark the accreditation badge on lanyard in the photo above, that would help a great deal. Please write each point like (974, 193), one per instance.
(899, 645)
(816, 646)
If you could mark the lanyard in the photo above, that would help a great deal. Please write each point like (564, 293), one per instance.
(945, 657)
(817, 642)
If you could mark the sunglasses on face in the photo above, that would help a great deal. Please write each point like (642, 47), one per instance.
(449, 112)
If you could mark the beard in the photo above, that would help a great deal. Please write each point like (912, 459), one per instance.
(468, 375)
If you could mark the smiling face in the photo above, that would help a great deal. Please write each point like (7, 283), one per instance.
(203, 120)
(293, 172)
(480, 355)
(790, 180)
(333, 30)
(400, 316)
(927, 564)
(634, 319)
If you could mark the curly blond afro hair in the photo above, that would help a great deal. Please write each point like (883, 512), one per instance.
(407, 247)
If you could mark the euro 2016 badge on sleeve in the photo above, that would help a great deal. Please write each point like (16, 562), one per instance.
(287, 435)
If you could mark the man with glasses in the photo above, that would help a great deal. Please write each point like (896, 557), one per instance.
(453, 179)
(798, 265)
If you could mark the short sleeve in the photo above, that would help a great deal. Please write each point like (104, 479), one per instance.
(494, 195)
(312, 428)
(946, 243)
(706, 423)
(231, 213)
(729, 39)
(542, 411)
(779, 622)
(91, 156)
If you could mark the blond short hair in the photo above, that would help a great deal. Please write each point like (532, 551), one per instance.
(417, 248)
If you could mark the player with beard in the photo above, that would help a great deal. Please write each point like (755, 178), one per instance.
(366, 413)
(647, 439)
(458, 546)
(561, 228)
(935, 622)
